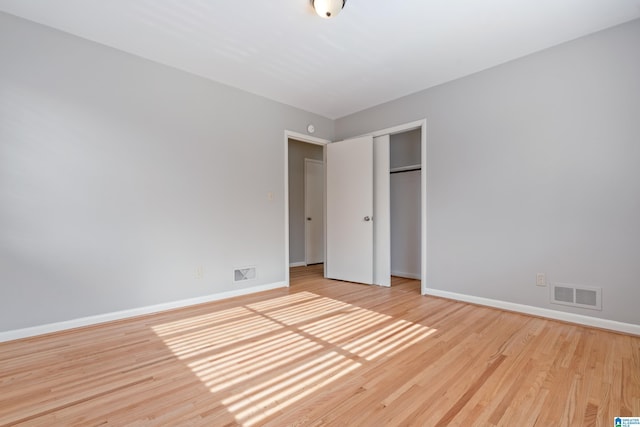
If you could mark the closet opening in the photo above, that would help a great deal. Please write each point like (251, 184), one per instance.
(405, 158)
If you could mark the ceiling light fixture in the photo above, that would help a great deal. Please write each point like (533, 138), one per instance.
(328, 8)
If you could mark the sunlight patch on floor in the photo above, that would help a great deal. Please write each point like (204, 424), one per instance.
(263, 357)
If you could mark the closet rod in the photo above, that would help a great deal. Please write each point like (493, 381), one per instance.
(406, 170)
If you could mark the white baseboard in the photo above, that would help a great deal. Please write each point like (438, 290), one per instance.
(118, 315)
(406, 275)
(504, 305)
(612, 325)
(298, 264)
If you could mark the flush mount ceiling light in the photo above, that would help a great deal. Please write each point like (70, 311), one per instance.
(328, 8)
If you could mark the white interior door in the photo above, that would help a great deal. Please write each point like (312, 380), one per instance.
(314, 211)
(349, 192)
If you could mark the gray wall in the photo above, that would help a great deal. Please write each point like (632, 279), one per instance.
(533, 166)
(404, 149)
(298, 151)
(119, 177)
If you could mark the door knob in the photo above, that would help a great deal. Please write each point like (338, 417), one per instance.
(308, 218)
(366, 218)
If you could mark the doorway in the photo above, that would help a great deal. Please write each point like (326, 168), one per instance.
(405, 177)
(417, 132)
(420, 127)
(297, 148)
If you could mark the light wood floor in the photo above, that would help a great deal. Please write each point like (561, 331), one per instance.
(323, 353)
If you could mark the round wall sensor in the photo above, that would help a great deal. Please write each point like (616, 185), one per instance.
(311, 128)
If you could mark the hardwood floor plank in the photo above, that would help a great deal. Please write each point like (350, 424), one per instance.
(323, 352)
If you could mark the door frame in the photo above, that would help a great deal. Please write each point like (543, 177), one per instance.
(418, 124)
(288, 134)
(306, 206)
(422, 125)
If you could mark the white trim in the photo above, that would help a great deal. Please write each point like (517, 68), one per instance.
(124, 314)
(400, 128)
(423, 207)
(305, 138)
(298, 264)
(396, 129)
(406, 275)
(288, 134)
(627, 328)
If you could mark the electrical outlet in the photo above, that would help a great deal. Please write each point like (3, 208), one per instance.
(199, 272)
(541, 280)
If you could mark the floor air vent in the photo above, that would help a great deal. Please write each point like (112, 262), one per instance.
(244, 273)
(576, 296)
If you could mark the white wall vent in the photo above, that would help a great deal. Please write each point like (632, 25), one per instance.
(576, 295)
(242, 274)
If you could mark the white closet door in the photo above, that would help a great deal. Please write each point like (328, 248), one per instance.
(349, 172)
(381, 212)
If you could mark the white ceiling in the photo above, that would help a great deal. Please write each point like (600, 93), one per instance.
(373, 52)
